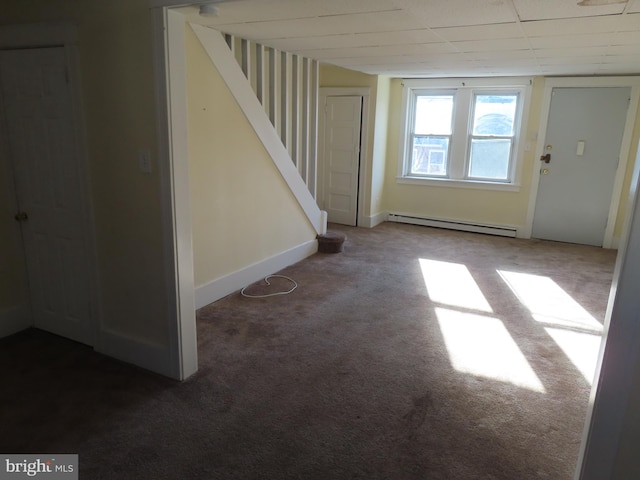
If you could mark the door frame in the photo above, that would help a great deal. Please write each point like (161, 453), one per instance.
(364, 93)
(65, 35)
(625, 147)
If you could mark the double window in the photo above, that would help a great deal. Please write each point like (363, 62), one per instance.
(462, 131)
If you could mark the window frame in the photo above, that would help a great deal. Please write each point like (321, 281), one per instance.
(458, 161)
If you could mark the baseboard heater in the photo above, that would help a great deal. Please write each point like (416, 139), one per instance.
(502, 231)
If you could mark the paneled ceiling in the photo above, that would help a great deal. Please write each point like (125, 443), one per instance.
(443, 38)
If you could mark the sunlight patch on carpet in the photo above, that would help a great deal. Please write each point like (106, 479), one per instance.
(482, 346)
(548, 302)
(452, 284)
(580, 347)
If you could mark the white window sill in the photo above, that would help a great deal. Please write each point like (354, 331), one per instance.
(450, 183)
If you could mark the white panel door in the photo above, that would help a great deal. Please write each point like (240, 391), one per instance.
(42, 141)
(341, 163)
(583, 138)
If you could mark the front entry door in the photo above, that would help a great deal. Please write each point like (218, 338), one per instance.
(42, 145)
(341, 163)
(583, 139)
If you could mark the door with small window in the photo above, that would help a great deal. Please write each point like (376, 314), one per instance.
(579, 163)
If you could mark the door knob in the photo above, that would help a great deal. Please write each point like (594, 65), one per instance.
(545, 158)
(21, 216)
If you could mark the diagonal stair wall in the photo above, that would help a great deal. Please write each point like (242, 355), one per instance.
(288, 134)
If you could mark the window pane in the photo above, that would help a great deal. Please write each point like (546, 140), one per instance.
(490, 158)
(430, 156)
(433, 114)
(494, 114)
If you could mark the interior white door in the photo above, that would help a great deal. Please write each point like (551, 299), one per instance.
(583, 138)
(341, 164)
(42, 143)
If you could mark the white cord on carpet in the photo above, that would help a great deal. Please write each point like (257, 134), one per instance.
(266, 280)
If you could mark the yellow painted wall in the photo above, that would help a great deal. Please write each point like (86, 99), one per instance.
(492, 207)
(379, 154)
(115, 47)
(334, 76)
(242, 210)
(484, 206)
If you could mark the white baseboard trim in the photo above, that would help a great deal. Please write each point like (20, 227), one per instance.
(14, 320)
(373, 220)
(142, 354)
(465, 226)
(223, 286)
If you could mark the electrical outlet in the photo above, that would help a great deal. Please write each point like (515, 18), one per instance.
(144, 161)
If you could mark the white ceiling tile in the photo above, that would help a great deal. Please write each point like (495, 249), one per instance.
(319, 26)
(572, 26)
(398, 37)
(379, 51)
(627, 38)
(230, 12)
(622, 50)
(389, 60)
(548, 9)
(628, 59)
(594, 40)
(629, 21)
(596, 59)
(492, 45)
(569, 69)
(568, 60)
(506, 55)
(409, 37)
(617, 69)
(443, 37)
(581, 70)
(570, 52)
(300, 44)
(515, 62)
(455, 13)
(479, 32)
